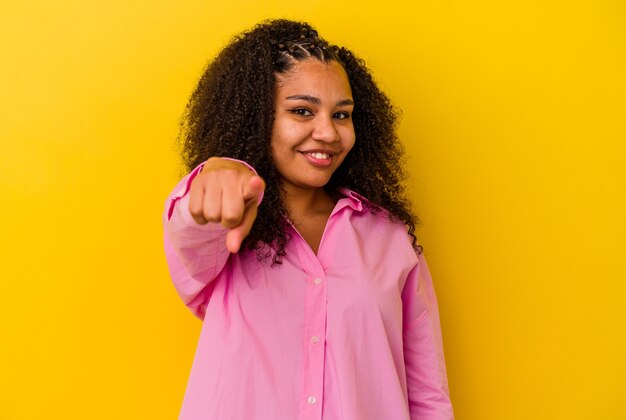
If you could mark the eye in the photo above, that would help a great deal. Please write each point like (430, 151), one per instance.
(343, 115)
(302, 112)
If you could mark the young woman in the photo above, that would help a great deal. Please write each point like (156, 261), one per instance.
(291, 238)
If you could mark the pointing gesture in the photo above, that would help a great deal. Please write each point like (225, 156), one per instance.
(226, 192)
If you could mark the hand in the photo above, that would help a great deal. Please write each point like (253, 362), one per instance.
(226, 192)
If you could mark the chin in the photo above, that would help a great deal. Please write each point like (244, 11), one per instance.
(314, 183)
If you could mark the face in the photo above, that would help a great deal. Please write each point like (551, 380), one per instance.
(313, 130)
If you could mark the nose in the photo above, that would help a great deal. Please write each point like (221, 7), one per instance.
(325, 130)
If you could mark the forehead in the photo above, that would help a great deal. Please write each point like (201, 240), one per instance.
(315, 78)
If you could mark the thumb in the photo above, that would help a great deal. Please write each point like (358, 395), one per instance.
(253, 188)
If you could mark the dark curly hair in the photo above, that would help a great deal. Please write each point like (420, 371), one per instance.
(231, 113)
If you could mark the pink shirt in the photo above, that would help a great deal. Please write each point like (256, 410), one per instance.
(350, 333)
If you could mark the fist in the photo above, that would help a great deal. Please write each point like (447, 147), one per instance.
(226, 192)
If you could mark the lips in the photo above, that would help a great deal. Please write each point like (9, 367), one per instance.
(318, 158)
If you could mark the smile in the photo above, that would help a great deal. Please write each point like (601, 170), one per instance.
(318, 155)
(318, 159)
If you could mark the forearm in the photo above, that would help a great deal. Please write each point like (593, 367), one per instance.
(221, 192)
(427, 381)
(195, 253)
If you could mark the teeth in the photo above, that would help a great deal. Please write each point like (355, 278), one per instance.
(318, 155)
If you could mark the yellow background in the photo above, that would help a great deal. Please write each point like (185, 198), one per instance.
(514, 118)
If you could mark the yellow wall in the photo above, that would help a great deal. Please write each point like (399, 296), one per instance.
(515, 122)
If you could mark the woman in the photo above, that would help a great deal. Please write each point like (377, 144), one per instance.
(316, 301)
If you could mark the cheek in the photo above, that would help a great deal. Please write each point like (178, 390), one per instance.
(281, 148)
(350, 139)
(283, 136)
(279, 139)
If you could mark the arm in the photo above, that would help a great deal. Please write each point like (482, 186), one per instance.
(427, 383)
(207, 216)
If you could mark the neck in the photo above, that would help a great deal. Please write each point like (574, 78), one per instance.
(303, 203)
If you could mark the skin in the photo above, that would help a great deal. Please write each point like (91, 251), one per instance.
(311, 136)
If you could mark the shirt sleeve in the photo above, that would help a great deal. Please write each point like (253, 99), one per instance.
(195, 253)
(427, 383)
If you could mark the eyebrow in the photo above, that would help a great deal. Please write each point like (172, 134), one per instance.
(316, 101)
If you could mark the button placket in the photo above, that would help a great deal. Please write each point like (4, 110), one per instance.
(315, 331)
(312, 396)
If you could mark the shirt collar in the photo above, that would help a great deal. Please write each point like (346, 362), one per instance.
(352, 199)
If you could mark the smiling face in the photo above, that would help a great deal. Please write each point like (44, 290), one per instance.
(313, 130)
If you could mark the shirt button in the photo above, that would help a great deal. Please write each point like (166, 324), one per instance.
(317, 280)
(315, 339)
(311, 400)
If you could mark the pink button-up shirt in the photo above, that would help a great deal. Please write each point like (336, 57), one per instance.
(350, 333)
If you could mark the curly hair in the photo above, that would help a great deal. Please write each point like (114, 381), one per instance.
(231, 112)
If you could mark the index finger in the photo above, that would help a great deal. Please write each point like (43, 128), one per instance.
(235, 236)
